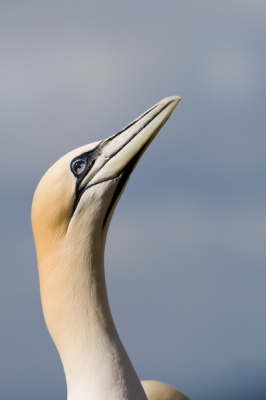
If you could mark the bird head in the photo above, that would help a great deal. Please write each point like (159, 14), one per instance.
(78, 194)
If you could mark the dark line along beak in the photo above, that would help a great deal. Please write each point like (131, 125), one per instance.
(118, 150)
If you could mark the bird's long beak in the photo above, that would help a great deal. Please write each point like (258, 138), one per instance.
(116, 152)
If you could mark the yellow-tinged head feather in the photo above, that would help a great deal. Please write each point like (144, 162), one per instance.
(53, 202)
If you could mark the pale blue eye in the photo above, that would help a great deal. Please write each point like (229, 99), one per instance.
(78, 166)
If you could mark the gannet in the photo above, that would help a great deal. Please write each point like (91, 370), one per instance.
(71, 212)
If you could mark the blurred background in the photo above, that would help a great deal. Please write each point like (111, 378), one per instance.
(185, 257)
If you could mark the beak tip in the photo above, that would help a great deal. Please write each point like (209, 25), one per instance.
(170, 103)
(171, 99)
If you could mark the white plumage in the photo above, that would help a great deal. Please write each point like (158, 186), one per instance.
(72, 209)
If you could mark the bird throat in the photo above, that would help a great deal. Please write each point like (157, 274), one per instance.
(78, 317)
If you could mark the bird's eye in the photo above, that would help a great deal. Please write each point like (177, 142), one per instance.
(78, 166)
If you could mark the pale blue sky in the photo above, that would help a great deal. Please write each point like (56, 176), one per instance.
(186, 252)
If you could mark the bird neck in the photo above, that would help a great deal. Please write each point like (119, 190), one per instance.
(78, 317)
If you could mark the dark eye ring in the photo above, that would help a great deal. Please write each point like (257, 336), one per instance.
(78, 166)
